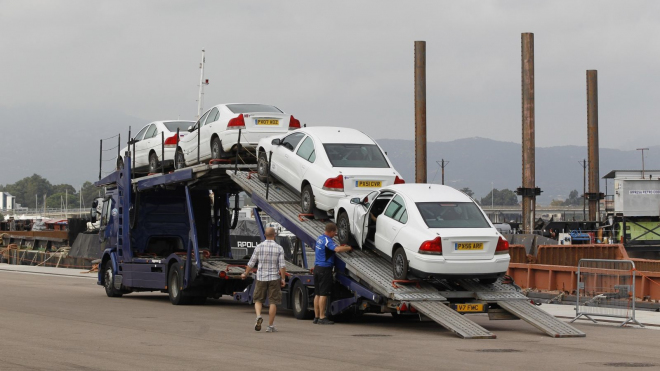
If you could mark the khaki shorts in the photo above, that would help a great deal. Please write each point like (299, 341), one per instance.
(272, 288)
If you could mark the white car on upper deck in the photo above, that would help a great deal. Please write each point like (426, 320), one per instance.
(215, 136)
(426, 230)
(325, 164)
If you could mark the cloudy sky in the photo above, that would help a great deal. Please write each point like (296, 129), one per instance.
(345, 63)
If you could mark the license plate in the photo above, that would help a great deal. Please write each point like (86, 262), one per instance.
(270, 122)
(469, 246)
(469, 308)
(368, 184)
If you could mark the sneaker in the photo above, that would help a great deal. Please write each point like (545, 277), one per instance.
(316, 320)
(257, 326)
(325, 321)
(271, 329)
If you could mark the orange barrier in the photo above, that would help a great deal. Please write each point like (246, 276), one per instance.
(518, 254)
(44, 234)
(570, 255)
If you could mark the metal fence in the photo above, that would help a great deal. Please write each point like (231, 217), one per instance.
(606, 288)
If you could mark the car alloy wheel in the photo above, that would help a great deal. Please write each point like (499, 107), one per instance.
(179, 160)
(343, 228)
(262, 167)
(153, 163)
(400, 264)
(216, 150)
(307, 200)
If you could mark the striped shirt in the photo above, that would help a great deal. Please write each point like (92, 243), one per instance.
(270, 257)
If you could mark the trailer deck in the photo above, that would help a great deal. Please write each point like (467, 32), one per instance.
(430, 297)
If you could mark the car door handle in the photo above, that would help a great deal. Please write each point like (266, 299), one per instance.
(394, 228)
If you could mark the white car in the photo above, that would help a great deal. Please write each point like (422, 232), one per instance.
(219, 127)
(148, 146)
(426, 230)
(325, 164)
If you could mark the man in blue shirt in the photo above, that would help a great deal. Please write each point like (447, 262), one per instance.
(324, 261)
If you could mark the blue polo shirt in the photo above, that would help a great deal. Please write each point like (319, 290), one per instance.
(325, 251)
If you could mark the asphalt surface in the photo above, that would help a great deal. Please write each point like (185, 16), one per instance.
(51, 322)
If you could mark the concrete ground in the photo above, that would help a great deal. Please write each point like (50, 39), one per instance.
(61, 320)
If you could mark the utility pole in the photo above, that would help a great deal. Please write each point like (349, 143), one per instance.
(584, 188)
(202, 82)
(642, 149)
(442, 164)
(420, 111)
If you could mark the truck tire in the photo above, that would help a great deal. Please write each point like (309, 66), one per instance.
(175, 286)
(400, 264)
(307, 203)
(108, 281)
(344, 230)
(262, 167)
(300, 302)
(153, 163)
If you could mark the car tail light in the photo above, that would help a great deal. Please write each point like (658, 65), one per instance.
(236, 123)
(170, 142)
(502, 246)
(334, 184)
(398, 180)
(294, 123)
(431, 247)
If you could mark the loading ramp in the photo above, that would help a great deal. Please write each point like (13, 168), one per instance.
(429, 297)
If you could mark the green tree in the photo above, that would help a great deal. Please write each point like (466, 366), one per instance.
(505, 197)
(573, 199)
(467, 191)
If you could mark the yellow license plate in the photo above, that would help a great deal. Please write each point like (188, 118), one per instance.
(368, 184)
(469, 246)
(469, 308)
(267, 122)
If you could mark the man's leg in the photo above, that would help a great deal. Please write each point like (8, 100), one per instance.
(323, 301)
(316, 306)
(271, 314)
(257, 308)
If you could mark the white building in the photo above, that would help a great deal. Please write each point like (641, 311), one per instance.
(7, 201)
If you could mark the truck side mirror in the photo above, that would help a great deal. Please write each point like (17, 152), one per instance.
(276, 142)
(92, 214)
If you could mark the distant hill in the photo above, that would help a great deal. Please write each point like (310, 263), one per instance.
(476, 162)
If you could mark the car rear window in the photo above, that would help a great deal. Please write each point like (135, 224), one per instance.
(249, 108)
(355, 155)
(452, 215)
(181, 125)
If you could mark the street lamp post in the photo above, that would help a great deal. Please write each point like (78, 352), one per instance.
(492, 195)
(642, 149)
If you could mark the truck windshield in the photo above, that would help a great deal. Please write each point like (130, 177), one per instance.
(452, 215)
(355, 155)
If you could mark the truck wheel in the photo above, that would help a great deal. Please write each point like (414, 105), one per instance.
(300, 303)
(400, 264)
(179, 160)
(120, 163)
(262, 167)
(175, 286)
(153, 163)
(108, 281)
(344, 230)
(307, 203)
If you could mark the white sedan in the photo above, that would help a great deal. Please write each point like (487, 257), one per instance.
(215, 136)
(325, 164)
(149, 148)
(426, 230)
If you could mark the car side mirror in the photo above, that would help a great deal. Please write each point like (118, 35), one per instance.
(356, 201)
(276, 142)
(190, 129)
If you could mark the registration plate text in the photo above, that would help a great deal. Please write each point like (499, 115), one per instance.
(469, 246)
(469, 308)
(268, 122)
(368, 184)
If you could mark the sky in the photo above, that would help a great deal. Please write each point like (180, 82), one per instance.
(340, 63)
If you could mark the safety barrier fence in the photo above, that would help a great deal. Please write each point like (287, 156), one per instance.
(606, 288)
(14, 255)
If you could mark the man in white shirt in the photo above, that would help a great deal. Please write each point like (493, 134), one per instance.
(270, 278)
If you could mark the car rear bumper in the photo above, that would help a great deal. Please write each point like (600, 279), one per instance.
(250, 140)
(327, 200)
(438, 266)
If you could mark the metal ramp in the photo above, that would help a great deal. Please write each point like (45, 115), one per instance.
(368, 268)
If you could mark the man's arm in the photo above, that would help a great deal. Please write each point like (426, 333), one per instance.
(282, 266)
(343, 248)
(251, 263)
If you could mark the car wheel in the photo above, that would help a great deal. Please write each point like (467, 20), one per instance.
(108, 281)
(179, 160)
(300, 303)
(120, 163)
(216, 149)
(400, 264)
(175, 286)
(307, 202)
(153, 163)
(262, 167)
(487, 281)
(344, 230)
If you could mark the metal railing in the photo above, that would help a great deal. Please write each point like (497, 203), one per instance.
(606, 288)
